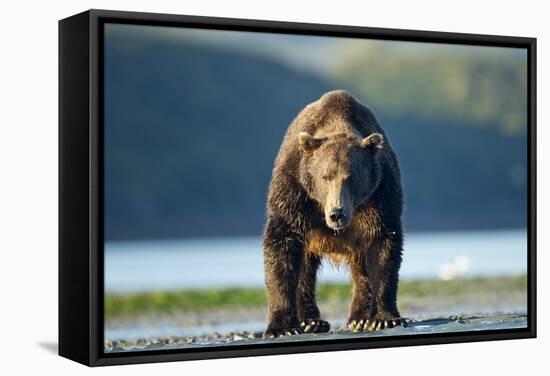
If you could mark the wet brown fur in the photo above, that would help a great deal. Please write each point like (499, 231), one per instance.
(345, 248)
(297, 236)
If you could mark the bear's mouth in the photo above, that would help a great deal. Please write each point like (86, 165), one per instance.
(339, 230)
(337, 227)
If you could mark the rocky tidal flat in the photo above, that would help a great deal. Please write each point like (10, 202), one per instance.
(413, 327)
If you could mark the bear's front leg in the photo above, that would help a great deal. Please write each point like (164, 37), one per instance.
(283, 254)
(375, 280)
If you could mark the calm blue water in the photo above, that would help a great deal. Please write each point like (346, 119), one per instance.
(237, 262)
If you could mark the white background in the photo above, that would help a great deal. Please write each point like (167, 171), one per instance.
(28, 185)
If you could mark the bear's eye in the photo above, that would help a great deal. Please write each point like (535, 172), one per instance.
(325, 177)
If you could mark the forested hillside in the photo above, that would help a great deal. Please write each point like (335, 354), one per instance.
(191, 132)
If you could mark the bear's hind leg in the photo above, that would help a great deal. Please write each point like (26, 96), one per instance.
(375, 278)
(383, 263)
(361, 294)
(308, 312)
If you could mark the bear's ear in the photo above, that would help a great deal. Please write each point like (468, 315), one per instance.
(309, 143)
(375, 141)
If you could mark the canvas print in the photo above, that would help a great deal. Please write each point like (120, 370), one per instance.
(263, 188)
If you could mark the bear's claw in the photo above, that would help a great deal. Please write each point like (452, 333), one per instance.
(315, 326)
(274, 333)
(374, 325)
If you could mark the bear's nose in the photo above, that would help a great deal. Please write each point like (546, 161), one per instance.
(337, 215)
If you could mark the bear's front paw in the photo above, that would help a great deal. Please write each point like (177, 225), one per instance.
(315, 326)
(374, 324)
(274, 331)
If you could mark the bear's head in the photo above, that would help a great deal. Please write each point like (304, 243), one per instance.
(340, 173)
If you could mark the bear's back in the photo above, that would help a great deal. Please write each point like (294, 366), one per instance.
(336, 112)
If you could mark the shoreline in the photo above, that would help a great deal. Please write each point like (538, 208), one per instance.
(450, 324)
(412, 296)
(186, 314)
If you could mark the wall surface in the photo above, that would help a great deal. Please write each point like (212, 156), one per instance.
(28, 193)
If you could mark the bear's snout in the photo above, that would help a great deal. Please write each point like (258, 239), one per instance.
(338, 218)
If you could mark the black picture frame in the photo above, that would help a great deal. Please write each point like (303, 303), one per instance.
(81, 182)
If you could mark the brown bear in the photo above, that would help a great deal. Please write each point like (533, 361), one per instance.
(335, 192)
